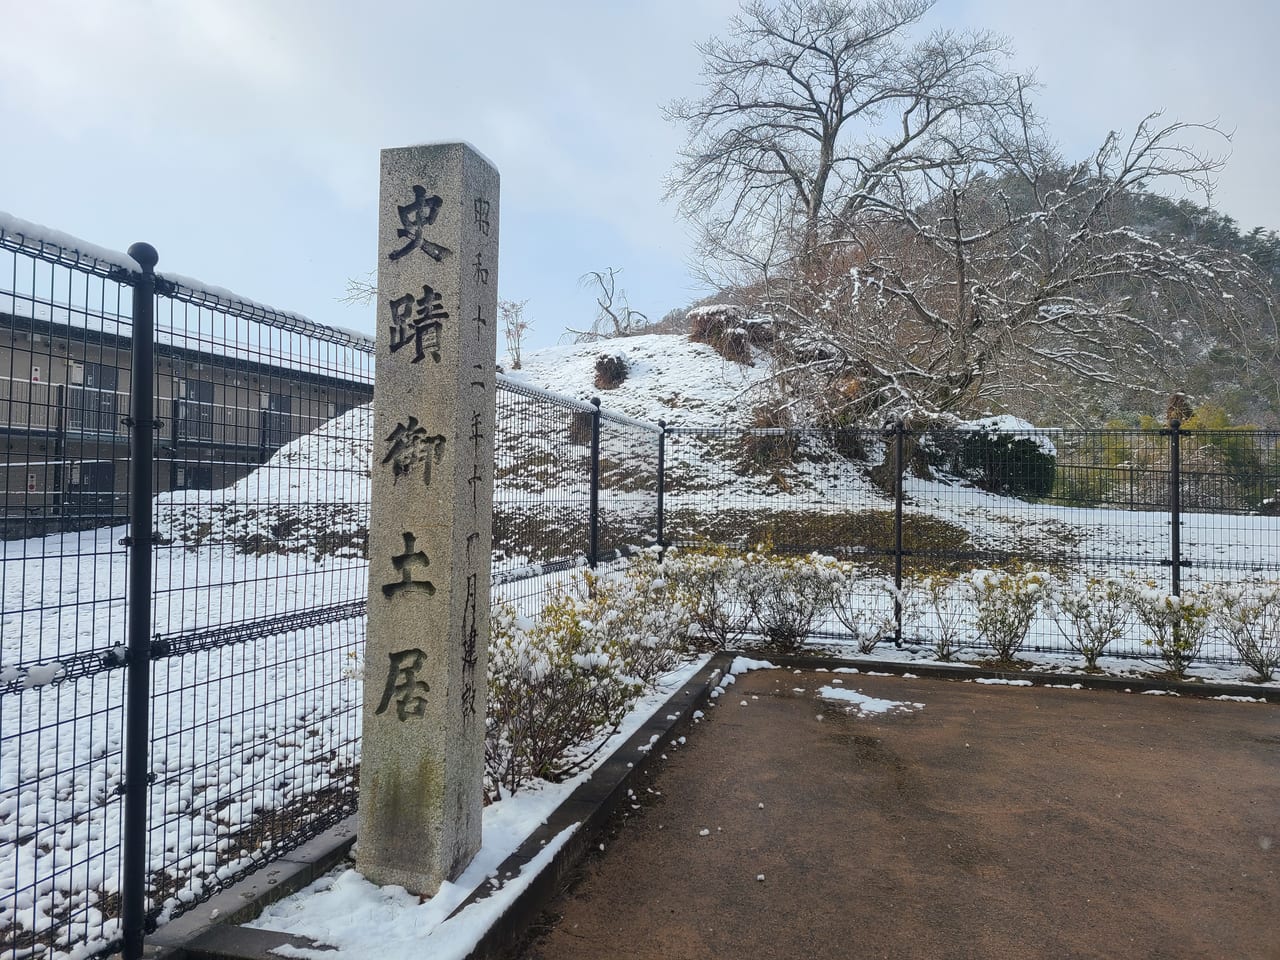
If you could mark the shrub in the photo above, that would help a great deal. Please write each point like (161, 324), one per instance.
(943, 595)
(1176, 625)
(564, 681)
(1093, 615)
(551, 692)
(721, 591)
(721, 327)
(1003, 464)
(1005, 603)
(611, 370)
(638, 618)
(1248, 616)
(865, 606)
(793, 591)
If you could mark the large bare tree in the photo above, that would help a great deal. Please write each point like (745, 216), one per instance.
(982, 284)
(891, 198)
(810, 106)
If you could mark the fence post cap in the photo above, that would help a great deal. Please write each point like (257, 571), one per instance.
(145, 254)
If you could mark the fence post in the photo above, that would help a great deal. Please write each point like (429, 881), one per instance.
(593, 555)
(1175, 504)
(899, 430)
(662, 480)
(137, 737)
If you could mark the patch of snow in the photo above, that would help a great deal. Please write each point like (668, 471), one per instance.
(865, 704)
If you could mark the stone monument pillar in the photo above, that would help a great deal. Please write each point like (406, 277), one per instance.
(430, 529)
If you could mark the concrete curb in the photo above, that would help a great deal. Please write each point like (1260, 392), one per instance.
(591, 806)
(210, 932)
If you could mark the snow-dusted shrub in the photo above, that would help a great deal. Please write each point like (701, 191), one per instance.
(721, 590)
(865, 605)
(1176, 625)
(1005, 602)
(1248, 616)
(794, 591)
(561, 683)
(638, 618)
(553, 691)
(721, 327)
(1093, 614)
(1001, 463)
(1001, 454)
(944, 596)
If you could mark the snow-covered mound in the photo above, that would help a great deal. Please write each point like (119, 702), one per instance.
(311, 497)
(669, 377)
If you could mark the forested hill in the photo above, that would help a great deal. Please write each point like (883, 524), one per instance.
(1160, 216)
(1221, 365)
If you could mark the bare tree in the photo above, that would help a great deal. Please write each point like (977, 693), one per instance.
(811, 105)
(986, 282)
(361, 290)
(514, 327)
(614, 315)
(895, 205)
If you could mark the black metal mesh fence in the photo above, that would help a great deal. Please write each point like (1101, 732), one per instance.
(262, 459)
(1073, 504)
(542, 501)
(62, 622)
(628, 485)
(542, 510)
(262, 452)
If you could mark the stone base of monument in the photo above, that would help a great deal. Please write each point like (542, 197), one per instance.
(211, 931)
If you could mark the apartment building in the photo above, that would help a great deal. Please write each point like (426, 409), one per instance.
(222, 409)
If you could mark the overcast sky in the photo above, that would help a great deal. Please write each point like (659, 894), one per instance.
(241, 137)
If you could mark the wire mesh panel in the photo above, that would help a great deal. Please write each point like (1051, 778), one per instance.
(542, 495)
(1081, 507)
(796, 490)
(262, 515)
(64, 351)
(628, 485)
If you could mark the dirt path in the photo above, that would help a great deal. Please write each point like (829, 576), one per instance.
(996, 822)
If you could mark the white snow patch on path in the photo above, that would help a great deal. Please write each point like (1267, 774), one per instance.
(865, 704)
